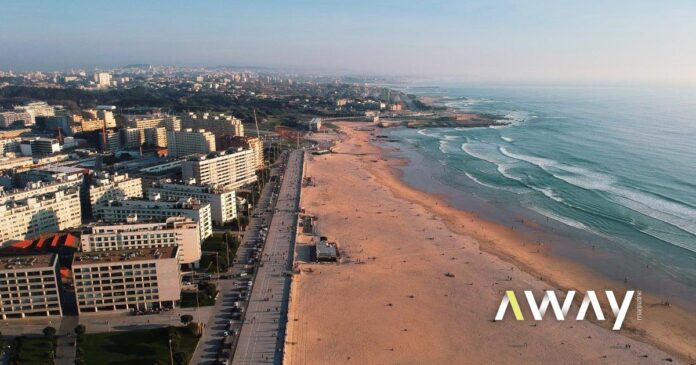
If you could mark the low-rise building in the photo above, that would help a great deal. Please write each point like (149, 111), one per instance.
(174, 231)
(221, 198)
(127, 280)
(13, 118)
(29, 286)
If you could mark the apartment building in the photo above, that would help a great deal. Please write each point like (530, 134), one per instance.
(244, 142)
(127, 280)
(39, 213)
(105, 186)
(36, 109)
(217, 123)
(29, 286)
(156, 137)
(187, 142)
(10, 118)
(178, 232)
(143, 122)
(144, 210)
(230, 168)
(222, 199)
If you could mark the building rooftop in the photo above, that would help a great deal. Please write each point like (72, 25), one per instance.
(43, 243)
(26, 261)
(88, 258)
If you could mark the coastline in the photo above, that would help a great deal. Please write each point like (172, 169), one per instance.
(470, 298)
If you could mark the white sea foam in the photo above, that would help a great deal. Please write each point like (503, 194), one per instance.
(549, 193)
(676, 214)
(423, 132)
(506, 139)
(565, 220)
(474, 179)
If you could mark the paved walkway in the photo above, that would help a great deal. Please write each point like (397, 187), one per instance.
(263, 332)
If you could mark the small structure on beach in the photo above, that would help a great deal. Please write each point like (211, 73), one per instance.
(326, 251)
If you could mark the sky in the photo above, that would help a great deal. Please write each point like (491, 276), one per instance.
(512, 41)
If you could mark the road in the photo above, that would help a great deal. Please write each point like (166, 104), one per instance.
(262, 335)
(210, 345)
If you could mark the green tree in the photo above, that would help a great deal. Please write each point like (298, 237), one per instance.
(80, 330)
(49, 332)
(186, 319)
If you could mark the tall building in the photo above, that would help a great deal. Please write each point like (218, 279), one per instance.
(219, 124)
(104, 186)
(228, 168)
(29, 286)
(144, 122)
(180, 232)
(39, 213)
(156, 137)
(253, 143)
(10, 118)
(144, 210)
(102, 79)
(127, 280)
(131, 138)
(223, 203)
(187, 142)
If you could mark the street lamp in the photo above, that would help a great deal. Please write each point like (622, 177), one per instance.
(171, 357)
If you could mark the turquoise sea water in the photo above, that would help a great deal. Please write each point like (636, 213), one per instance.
(611, 170)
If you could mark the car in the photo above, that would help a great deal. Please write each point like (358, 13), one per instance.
(225, 334)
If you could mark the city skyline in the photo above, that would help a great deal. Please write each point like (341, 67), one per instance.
(502, 41)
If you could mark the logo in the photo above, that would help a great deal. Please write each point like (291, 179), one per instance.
(561, 311)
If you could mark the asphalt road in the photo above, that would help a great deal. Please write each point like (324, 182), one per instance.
(262, 334)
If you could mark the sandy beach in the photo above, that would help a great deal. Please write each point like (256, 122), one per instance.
(390, 301)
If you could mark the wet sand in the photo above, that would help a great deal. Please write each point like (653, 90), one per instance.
(390, 301)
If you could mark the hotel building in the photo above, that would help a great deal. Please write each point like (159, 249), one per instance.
(127, 280)
(228, 168)
(29, 286)
(178, 232)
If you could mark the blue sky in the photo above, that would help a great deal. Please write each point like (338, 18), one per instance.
(500, 41)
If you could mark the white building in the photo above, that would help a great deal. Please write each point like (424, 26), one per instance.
(31, 216)
(222, 199)
(187, 142)
(228, 168)
(219, 124)
(104, 187)
(174, 231)
(39, 146)
(36, 109)
(102, 79)
(127, 280)
(29, 286)
(144, 210)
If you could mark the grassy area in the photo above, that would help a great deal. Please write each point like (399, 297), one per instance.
(32, 351)
(188, 299)
(146, 347)
(226, 249)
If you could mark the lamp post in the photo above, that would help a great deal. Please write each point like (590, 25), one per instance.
(171, 357)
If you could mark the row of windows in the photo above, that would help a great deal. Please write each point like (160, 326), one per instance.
(145, 298)
(116, 287)
(6, 292)
(114, 267)
(30, 307)
(18, 274)
(115, 274)
(80, 284)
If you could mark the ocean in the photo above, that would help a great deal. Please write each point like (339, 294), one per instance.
(607, 173)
